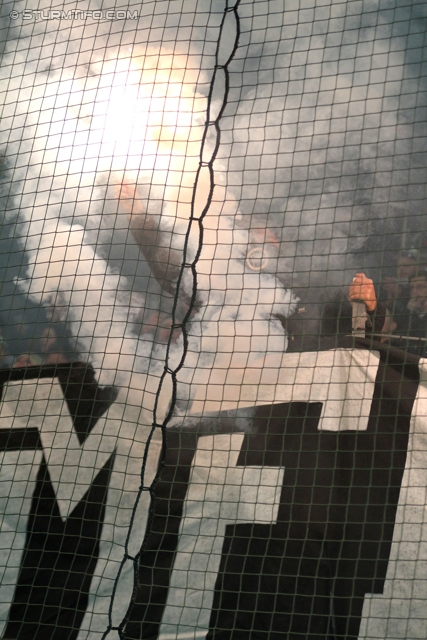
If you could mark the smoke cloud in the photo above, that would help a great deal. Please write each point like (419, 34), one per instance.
(323, 143)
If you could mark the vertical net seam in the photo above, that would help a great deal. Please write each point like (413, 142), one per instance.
(167, 371)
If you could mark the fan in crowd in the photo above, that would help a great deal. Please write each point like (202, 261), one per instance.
(409, 320)
(396, 290)
(337, 314)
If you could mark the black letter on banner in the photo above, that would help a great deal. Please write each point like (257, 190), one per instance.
(308, 574)
(59, 557)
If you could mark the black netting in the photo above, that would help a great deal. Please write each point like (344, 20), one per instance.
(213, 320)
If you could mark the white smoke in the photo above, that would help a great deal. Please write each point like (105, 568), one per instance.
(136, 118)
(323, 135)
(235, 335)
(66, 274)
(306, 153)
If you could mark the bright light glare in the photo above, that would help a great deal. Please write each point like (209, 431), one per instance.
(126, 119)
(148, 118)
(143, 110)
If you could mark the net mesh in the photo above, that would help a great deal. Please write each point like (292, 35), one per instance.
(213, 320)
